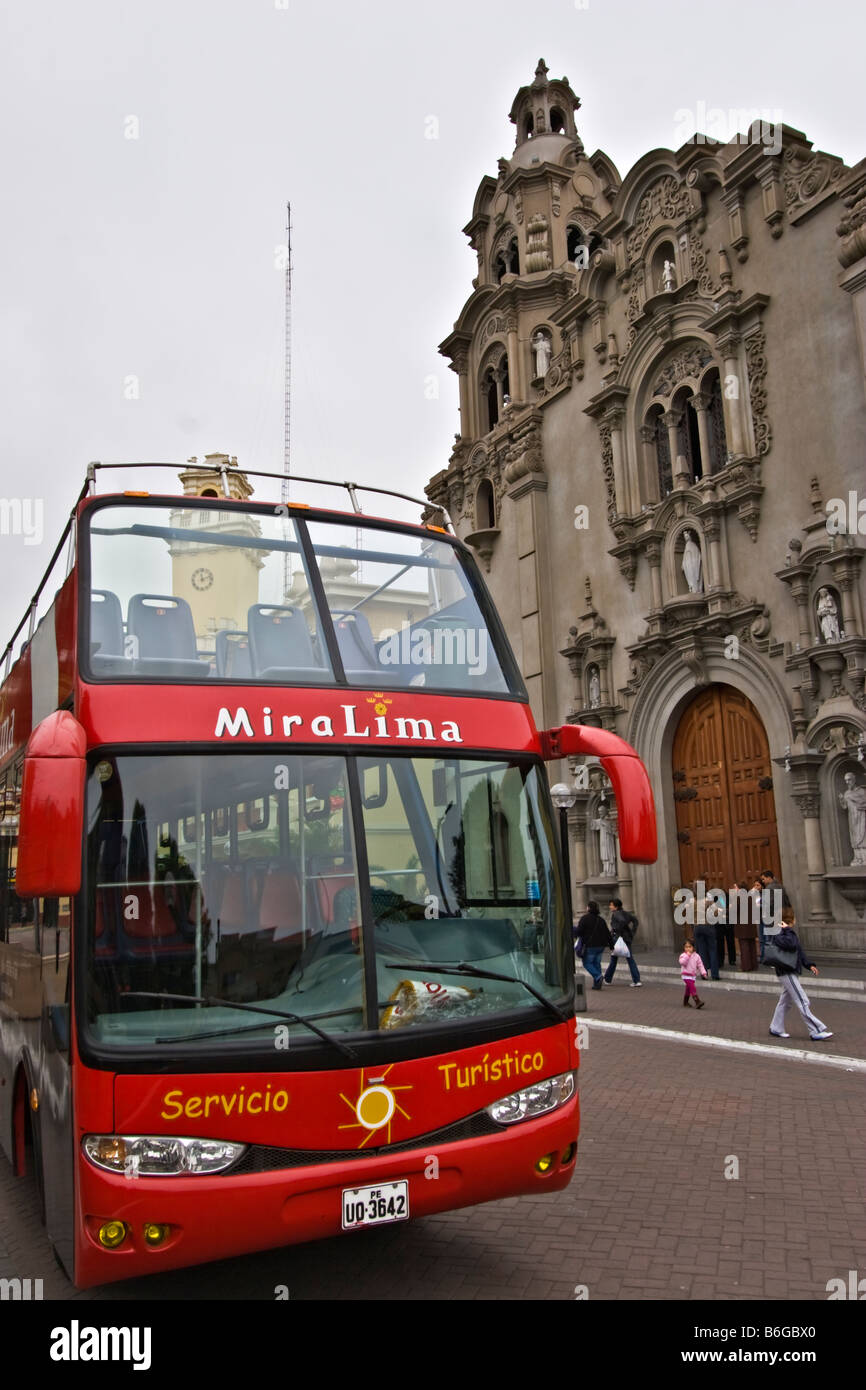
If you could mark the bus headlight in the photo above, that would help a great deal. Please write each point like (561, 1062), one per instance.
(146, 1156)
(534, 1100)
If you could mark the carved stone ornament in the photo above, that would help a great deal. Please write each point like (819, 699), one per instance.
(809, 806)
(495, 324)
(852, 228)
(756, 358)
(666, 201)
(607, 470)
(806, 175)
(689, 363)
(693, 656)
(537, 246)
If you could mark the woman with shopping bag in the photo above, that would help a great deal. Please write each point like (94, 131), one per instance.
(623, 926)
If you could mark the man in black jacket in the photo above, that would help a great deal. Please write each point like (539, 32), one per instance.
(623, 926)
(592, 928)
(792, 991)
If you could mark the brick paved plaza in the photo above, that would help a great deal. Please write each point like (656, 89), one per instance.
(660, 1118)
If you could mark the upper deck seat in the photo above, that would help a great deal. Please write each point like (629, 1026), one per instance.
(106, 633)
(281, 645)
(358, 650)
(163, 628)
(233, 660)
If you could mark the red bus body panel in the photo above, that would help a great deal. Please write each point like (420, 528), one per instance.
(212, 1217)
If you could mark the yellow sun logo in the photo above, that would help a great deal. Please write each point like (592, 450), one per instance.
(379, 701)
(374, 1109)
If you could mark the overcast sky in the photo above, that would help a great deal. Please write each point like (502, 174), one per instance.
(154, 257)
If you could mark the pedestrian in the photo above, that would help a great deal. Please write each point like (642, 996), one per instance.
(792, 991)
(745, 928)
(593, 930)
(705, 934)
(690, 964)
(774, 900)
(623, 926)
(725, 928)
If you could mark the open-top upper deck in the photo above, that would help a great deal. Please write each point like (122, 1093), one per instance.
(214, 589)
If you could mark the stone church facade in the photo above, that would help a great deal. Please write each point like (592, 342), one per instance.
(659, 463)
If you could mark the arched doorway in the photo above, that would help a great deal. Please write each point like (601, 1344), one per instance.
(726, 813)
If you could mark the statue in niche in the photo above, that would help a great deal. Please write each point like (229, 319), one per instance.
(594, 688)
(828, 616)
(853, 800)
(692, 564)
(606, 843)
(541, 348)
(669, 279)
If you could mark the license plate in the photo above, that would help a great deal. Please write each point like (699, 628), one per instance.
(371, 1206)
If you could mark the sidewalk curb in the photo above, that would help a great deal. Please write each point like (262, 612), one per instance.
(854, 991)
(795, 1054)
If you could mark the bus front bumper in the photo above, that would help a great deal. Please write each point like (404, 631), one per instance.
(213, 1218)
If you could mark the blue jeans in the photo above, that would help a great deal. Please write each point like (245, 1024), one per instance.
(705, 942)
(611, 969)
(592, 962)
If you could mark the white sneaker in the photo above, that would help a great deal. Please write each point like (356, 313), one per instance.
(821, 1037)
(635, 984)
(779, 1035)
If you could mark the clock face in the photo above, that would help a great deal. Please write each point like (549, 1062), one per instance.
(202, 579)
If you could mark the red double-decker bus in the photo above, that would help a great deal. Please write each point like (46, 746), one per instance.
(285, 947)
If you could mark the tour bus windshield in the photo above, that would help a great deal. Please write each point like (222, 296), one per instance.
(203, 592)
(341, 891)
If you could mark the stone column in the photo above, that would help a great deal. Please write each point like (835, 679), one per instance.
(577, 827)
(805, 767)
(799, 584)
(733, 405)
(460, 367)
(654, 559)
(516, 365)
(700, 405)
(614, 420)
(651, 480)
(672, 419)
(712, 532)
(819, 908)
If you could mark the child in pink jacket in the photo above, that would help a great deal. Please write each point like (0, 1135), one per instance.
(690, 964)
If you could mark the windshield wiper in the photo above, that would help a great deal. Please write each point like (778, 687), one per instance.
(212, 999)
(462, 968)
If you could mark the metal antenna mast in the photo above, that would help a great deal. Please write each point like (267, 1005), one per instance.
(287, 401)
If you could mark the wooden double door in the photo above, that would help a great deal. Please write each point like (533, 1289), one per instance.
(723, 792)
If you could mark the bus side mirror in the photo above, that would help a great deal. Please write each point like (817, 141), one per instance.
(52, 810)
(636, 812)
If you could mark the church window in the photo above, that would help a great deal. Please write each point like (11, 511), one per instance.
(716, 412)
(660, 440)
(528, 127)
(485, 507)
(495, 389)
(557, 121)
(688, 436)
(507, 260)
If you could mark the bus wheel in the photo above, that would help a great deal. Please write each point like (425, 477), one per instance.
(28, 1139)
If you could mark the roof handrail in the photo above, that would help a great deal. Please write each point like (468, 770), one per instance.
(90, 482)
